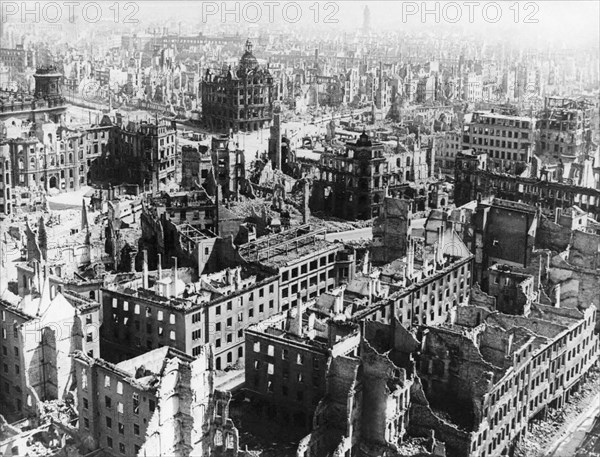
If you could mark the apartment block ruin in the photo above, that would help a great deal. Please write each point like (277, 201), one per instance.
(286, 361)
(305, 264)
(161, 403)
(172, 308)
(39, 332)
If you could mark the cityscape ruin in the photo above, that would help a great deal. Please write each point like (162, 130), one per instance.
(293, 229)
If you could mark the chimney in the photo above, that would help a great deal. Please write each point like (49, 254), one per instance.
(305, 209)
(410, 258)
(159, 266)
(174, 277)
(238, 278)
(298, 320)
(338, 304)
(145, 269)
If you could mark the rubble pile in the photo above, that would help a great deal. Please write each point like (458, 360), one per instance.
(413, 446)
(339, 225)
(58, 411)
(542, 433)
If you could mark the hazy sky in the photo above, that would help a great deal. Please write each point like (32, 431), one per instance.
(564, 22)
(572, 21)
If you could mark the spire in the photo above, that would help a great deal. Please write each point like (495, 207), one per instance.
(84, 217)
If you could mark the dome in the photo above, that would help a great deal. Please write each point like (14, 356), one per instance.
(248, 60)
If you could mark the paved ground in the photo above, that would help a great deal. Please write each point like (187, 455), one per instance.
(590, 447)
(581, 432)
(351, 235)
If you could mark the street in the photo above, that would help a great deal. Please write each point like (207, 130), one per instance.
(581, 438)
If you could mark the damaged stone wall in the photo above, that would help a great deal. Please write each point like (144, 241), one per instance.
(390, 230)
(423, 420)
(454, 374)
(551, 235)
(338, 413)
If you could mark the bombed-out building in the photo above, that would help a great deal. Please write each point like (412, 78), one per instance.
(162, 402)
(239, 98)
(178, 309)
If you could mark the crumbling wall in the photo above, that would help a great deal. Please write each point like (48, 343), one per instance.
(390, 230)
(169, 429)
(578, 286)
(455, 375)
(340, 407)
(584, 250)
(475, 313)
(423, 420)
(495, 344)
(378, 371)
(551, 235)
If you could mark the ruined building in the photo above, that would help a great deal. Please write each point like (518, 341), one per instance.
(181, 224)
(240, 98)
(391, 230)
(5, 182)
(490, 373)
(229, 165)
(367, 406)
(427, 284)
(565, 135)
(508, 141)
(353, 182)
(305, 264)
(286, 362)
(142, 153)
(46, 101)
(161, 403)
(473, 181)
(39, 332)
(171, 308)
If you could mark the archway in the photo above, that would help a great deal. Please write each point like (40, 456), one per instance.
(53, 182)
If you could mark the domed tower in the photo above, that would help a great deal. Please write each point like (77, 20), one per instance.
(248, 61)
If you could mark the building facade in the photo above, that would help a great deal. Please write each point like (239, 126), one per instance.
(165, 310)
(238, 99)
(509, 141)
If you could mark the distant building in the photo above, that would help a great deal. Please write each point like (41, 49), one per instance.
(5, 181)
(353, 182)
(473, 181)
(17, 59)
(507, 140)
(143, 153)
(238, 99)
(46, 101)
(445, 148)
(565, 131)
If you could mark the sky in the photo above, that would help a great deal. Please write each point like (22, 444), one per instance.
(565, 23)
(556, 21)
